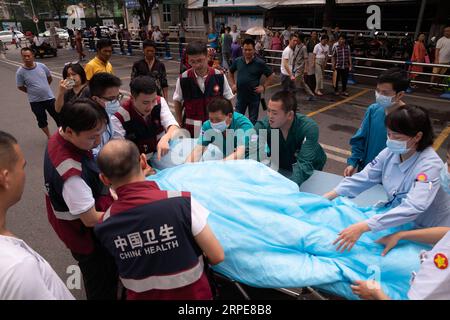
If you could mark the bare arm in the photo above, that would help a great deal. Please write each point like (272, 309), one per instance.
(428, 235)
(166, 93)
(209, 244)
(49, 79)
(238, 154)
(196, 154)
(91, 217)
(22, 88)
(269, 80)
(436, 56)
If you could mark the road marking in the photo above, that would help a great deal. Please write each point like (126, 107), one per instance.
(17, 64)
(333, 105)
(336, 149)
(441, 138)
(336, 158)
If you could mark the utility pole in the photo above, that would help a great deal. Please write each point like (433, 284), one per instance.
(34, 16)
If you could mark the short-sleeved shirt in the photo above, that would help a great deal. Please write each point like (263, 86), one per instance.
(443, 45)
(249, 76)
(432, 280)
(96, 66)
(239, 122)
(36, 82)
(321, 51)
(70, 95)
(25, 275)
(213, 36)
(288, 54)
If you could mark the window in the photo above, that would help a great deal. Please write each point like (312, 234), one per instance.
(167, 15)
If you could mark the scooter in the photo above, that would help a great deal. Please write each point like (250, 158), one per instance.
(43, 50)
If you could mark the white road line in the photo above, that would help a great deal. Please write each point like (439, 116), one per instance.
(336, 158)
(17, 64)
(336, 149)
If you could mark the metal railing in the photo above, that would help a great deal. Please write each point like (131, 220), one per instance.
(276, 55)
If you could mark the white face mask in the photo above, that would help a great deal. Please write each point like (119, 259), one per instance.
(219, 126)
(397, 146)
(384, 101)
(112, 107)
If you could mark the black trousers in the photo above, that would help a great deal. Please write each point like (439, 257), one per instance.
(342, 74)
(39, 109)
(100, 275)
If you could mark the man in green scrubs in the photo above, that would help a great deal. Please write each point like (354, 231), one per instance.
(299, 151)
(226, 129)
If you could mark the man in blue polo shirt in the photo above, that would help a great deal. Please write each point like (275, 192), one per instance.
(34, 79)
(225, 129)
(250, 70)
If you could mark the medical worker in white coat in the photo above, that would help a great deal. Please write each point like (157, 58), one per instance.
(432, 280)
(409, 170)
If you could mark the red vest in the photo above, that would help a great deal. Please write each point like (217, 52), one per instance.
(143, 132)
(195, 101)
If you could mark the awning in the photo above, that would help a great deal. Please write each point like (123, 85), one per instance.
(266, 4)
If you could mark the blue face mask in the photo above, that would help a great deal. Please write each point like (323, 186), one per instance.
(112, 107)
(397, 146)
(383, 101)
(219, 126)
(445, 179)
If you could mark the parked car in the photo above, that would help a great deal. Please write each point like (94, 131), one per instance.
(6, 36)
(62, 34)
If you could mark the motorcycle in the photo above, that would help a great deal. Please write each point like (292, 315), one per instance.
(43, 50)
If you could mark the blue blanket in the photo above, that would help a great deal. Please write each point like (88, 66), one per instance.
(277, 237)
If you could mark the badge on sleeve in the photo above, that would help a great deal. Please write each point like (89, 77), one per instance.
(441, 261)
(422, 177)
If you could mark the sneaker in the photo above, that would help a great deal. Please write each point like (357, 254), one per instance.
(345, 94)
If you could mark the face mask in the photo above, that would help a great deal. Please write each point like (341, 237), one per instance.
(383, 101)
(219, 126)
(397, 146)
(112, 107)
(445, 179)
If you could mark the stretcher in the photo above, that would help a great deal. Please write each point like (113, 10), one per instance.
(280, 239)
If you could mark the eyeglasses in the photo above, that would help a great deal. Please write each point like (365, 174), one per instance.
(71, 63)
(119, 97)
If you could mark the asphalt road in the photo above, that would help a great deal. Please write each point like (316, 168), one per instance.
(338, 119)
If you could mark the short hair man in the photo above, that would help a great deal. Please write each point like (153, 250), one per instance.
(34, 78)
(223, 125)
(105, 90)
(152, 67)
(196, 87)
(100, 63)
(75, 197)
(247, 83)
(146, 119)
(157, 237)
(24, 274)
(299, 150)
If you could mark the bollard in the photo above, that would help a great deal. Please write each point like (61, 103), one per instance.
(446, 94)
(351, 79)
(167, 56)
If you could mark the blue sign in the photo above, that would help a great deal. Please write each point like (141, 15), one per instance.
(132, 4)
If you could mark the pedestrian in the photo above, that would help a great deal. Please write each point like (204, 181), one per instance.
(157, 35)
(181, 38)
(341, 64)
(79, 45)
(73, 85)
(286, 36)
(287, 65)
(235, 33)
(311, 77)
(100, 63)
(247, 84)
(236, 51)
(320, 61)
(300, 67)
(419, 55)
(226, 48)
(212, 39)
(34, 78)
(76, 198)
(171, 230)
(442, 56)
(24, 274)
(127, 38)
(276, 42)
(152, 67)
(15, 38)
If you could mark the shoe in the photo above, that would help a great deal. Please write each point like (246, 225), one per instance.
(337, 93)
(318, 93)
(345, 94)
(311, 98)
